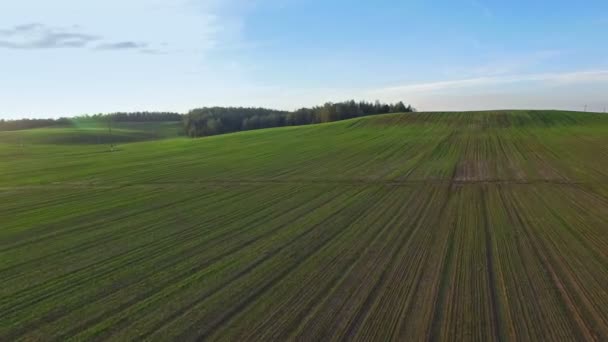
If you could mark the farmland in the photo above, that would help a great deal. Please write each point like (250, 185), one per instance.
(94, 132)
(471, 226)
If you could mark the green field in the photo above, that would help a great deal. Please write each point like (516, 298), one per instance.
(422, 226)
(92, 132)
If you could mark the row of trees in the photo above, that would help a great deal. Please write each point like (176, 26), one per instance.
(219, 120)
(15, 125)
(136, 117)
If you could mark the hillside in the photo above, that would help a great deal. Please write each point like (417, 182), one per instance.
(443, 226)
(93, 132)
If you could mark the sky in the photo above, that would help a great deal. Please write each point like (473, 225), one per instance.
(74, 57)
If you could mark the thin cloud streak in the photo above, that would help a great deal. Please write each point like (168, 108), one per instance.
(20, 28)
(38, 36)
(559, 78)
(122, 46)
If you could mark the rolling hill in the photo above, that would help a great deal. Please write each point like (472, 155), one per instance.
(94, 132)
(472, 226)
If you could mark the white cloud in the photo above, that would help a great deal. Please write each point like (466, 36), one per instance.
(515, 63)
(566, 90)
(35, 36)
(186, 25)
(570, 90)
(561, 78)
(38, 36)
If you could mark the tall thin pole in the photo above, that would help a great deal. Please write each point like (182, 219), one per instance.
(110, 131)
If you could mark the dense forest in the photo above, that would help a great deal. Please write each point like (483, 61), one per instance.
(219, 120)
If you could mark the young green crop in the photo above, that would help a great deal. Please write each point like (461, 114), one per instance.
(469, 226)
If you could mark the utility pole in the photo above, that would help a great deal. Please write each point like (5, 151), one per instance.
(110, 131)
(585, 108)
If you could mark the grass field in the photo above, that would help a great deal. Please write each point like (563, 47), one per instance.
(92, 132)
(424, 226)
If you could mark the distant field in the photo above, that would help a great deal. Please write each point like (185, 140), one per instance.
(436, 226)
(94, 133)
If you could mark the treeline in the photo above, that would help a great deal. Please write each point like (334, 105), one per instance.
(136, 117)
(218, 120)
(14, 125)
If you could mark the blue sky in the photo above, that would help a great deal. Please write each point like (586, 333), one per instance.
(70, 57)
